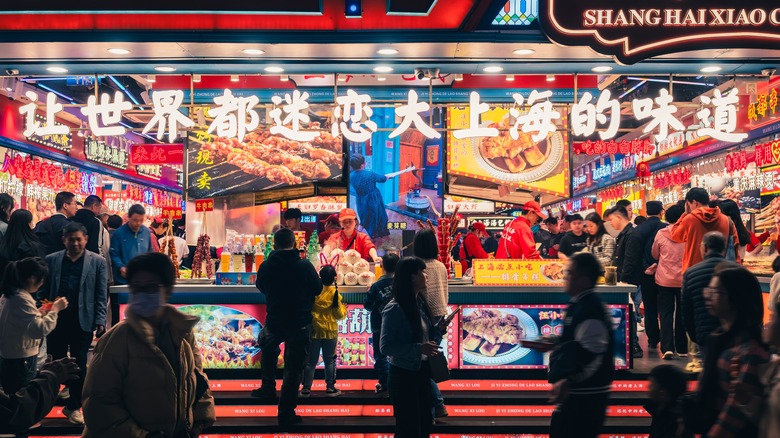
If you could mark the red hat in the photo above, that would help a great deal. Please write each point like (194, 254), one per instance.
(479, 226)
(332, 219)
(347, 213)
(535, 207)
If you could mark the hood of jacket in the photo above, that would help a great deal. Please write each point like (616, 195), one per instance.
(180, 324)
(283, 257)
(82, 215)
(707, 215)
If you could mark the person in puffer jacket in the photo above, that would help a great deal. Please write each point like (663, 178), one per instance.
(327, 311)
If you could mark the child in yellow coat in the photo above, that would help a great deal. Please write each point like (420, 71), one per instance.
(327, 311)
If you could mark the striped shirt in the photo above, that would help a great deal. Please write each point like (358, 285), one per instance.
(437, 290)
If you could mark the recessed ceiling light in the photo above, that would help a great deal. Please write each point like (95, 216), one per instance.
(711, 69)
(57, 69)
(196, 78)
(233, 78)
(151, 78)
(550, 78)
(381, 78)
(387, 51)
(458, 77)
(284, 78)
(383, 69)
(523, 51)
(165, 69)
(118, 51)
(601, 69)
(274, 69)
(510, 77)
(254, 51)
(493, 69)
(342, 78)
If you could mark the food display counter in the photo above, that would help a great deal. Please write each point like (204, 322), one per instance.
(485, 333)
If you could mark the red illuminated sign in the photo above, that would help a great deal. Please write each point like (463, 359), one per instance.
(157, 154)
(612, 147)
(172, 212)
(204, 205)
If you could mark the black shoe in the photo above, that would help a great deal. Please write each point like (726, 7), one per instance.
(290, 420)
(652, 345)
(637, 353)
(264, 393)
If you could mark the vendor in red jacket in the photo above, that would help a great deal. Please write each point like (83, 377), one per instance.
(351, 238)
(471, 248)
(518, 240)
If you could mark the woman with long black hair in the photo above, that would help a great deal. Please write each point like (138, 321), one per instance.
(742, 239)
(600, 243)
(20, 241)
(409, 339)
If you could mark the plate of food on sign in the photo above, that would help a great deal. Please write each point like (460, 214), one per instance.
(492, 336)
(520, 159)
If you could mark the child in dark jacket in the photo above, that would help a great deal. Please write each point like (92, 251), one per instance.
(666, 387)
(378, 296)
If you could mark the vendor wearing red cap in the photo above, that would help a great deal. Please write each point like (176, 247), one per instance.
(350, 238)
(332, 227)
(472, 247)
(518, 240)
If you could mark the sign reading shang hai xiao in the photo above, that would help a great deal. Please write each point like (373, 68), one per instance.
(637, 30)
(235, 116)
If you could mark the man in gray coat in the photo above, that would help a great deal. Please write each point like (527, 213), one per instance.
(80, 276)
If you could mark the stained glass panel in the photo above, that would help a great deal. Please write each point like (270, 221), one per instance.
(518, 13)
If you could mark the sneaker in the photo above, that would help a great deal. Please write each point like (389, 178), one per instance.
(381, 391)
(305, 392)
(441, 412)
(668, 356)
(64, 394)
(637, 353)
(332, 392)
(264, 393)
(75, 416)
(289, 420)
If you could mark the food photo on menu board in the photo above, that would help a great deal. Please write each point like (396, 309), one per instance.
(261, 160)
(478, 166)
(491, 335)
(394, 182)
(226, 335)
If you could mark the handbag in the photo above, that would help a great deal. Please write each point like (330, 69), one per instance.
(440, 372)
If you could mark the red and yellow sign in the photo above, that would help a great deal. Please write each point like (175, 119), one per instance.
(204, 205)
(490, 272)
(157, 154)
(172, 212)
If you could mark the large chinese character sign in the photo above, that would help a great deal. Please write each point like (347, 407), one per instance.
(237, 154)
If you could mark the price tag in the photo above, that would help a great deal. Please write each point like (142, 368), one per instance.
(204, 205)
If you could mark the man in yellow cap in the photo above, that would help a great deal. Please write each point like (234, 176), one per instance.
(351, 238)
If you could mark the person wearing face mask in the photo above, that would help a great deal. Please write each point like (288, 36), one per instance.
(128, 241)
(146, 378)
(81, 277)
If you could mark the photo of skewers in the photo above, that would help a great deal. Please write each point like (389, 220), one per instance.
(219, 166)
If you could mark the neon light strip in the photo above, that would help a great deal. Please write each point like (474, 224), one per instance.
(632, 89)
(666, 81)
(56, 92)
(124, 89)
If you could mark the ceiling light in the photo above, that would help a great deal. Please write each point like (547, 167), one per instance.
(381, 78)
(254, 51)
(550, 78)
(711, 69)
(342, 78)
(284, 78)
(387, 51)
(493, 69)
(601, 69)
(523, 51)
(383, 69)
(196, 78)
(118, 51)
(458, 77)
(510, 77)
(165, 69)
(151, 78)
(274, 69)
(233, 78)
(57, 69)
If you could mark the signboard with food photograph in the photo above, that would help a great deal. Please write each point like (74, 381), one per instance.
(513, 158)
(491, 272)
(491, 335)
(220, 166)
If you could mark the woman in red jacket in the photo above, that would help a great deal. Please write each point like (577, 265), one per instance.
(471, 248)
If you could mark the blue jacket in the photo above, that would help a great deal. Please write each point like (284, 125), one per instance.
(125, 244)
(397, 339)
(93, 288)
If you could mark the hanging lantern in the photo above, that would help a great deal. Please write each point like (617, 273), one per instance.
(642, 172)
